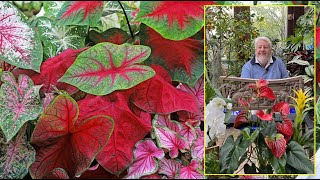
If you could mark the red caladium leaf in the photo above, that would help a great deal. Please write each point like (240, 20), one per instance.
(16, 156)
(159, 97)
(57, 173)
(80, 13)
(192, 118)
(241, 118)
(145, 164)
(129, 128)
(317, 36)
(191, 171)
(52, 70)
(99, 173)
(169, 167)
(112, 35)
(277, 145)
(152, 176)
(197, 148)
(19, 102)
(263, 116)
(164, 120)
(282, 107)
(266, 92)
(285, 128)
(197, 90)
(170, 140)
(188, 132)
(65, 141)
(175, 54)
(174, 20)
(107, 67)
(19, 43)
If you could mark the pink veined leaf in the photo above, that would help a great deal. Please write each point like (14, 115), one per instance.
(65, 141)
(80, 13)
(192, 118)
(170, 140)
(19, 44)
(164, 120)
(197, 90)
(191, 171)
(145, 164)
(107, 67)
(130, 127)
(188, 132)
(169, 167)
(16, 156)
(197, 148)
(57, 173)
(19, 102)
(47, 100)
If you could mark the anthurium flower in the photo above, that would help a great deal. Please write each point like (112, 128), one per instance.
(282, 107)
(277, 145)
(263, 116)
(266, 92)
(241, 118)
(285, 128)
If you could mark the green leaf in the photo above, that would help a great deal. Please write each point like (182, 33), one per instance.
(19, 102)
(16, 156)
(248, 136)
(297, 158)
(19, 43)
(269, 128)
(279, 164)
(107, 67)
(51, 8)
(231, 152)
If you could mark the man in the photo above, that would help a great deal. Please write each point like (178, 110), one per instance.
(263, 65)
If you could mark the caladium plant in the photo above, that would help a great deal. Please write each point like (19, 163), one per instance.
(98, 101)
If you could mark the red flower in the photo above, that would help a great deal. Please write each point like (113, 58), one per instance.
(266, 117)
(267, 93)
(241, 118)
(260, 83)
(277, 145)
(285, 128)
(282, 107)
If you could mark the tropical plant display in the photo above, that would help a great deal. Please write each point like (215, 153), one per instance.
(267, 144)
(102, 89)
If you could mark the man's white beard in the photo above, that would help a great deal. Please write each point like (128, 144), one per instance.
(263, 59)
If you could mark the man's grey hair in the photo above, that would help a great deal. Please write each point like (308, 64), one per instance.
(264, 39)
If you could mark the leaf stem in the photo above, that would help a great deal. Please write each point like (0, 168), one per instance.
(125, 14)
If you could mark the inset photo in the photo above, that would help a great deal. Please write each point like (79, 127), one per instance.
(259, 90)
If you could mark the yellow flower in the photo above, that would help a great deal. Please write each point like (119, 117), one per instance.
(301, 100)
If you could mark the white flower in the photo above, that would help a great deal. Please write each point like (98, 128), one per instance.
(229, 106)
(217, 103)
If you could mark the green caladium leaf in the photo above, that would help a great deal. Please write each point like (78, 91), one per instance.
(173, 19)
(19, 103)
(16, 156)
(107, 67)
(298, 159)
(56, 39)
(19, 43)
(51, 8)
(80, 13)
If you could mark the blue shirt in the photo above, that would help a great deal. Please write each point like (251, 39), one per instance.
(276, 70)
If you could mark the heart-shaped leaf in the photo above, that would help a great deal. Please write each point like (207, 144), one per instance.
(170, 140)
(169, 167)
(157, 96)
(173, 19)
(112, 35)
(266, 92)
(57, 173)
(16, 156)
(183, 59)
(19, 43)
(188, 132)
(107, 67)
(65, 141)
(298, 159)
(192, 171)
(129, 128)
(56, 39)
(197, 148)
(277, 145)
(80, 13)
(197, 90)
(164, 120)
(53, 69)
(285, 128)
(193, 119)
(19, 102)
(145, 164)
(282, 107)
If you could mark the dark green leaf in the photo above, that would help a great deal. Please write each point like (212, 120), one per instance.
(297, 158)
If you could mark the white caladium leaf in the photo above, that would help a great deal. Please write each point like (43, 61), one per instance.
(16, 156)
(19, 43)
(19, 103)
